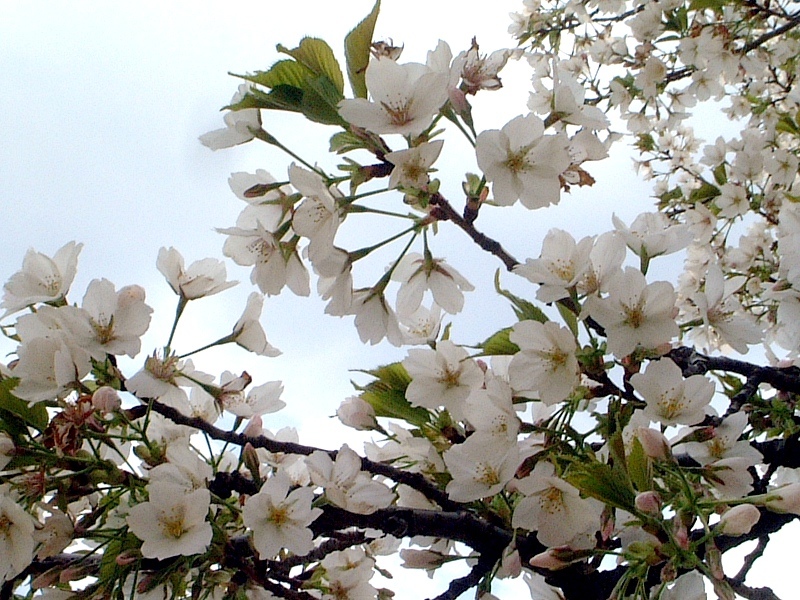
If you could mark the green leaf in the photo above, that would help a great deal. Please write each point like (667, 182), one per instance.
(320, 102)
(345, 141)
(283, 97)
(705, 192)
(720, 174)
(525, 311)
(387, 395)
(357, 49)
(283, 72)
(600, 481)
(11, 407)
(317, 56)
(499, 344)
(640, 468)
(703, 4)
(569, 318)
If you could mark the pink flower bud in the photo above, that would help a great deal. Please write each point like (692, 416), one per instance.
(739, 520)
(548, 560)
(422, 559)
(648, 502)
(357, 413)
(254, 427)
(653, 442)
(786, 499)
(106, 400)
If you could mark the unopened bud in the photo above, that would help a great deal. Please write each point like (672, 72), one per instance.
(357, 413)
(254, 427)
(251, 461)
(548, 560)
(653, 442)
(648, 502)
(785, 499)
(106, 400)
(422, 559)
(739, 520)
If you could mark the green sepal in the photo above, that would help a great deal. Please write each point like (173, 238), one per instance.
(499, 344)
(525, 311)
(17, 414)
(357, 50)
(387, 395)
(317, 56)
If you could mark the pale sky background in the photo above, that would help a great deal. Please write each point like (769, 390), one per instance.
(101, 106)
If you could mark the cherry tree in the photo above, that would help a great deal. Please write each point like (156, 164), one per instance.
(613, 441)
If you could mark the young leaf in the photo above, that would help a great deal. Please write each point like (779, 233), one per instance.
(356, 51)
(316, 55)
(283, 72)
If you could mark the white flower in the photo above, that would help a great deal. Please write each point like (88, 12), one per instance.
(347, 574)
(480, 467)
(248, 332)
(560, 267)
(605, 262)
(42, 279)
(653, 234)
(173, 522)
(48, 368)
(724, 321)
(422, 326)
(490, 410)
(345, 484)
(671, 399)
(689, 586)
(417, 274)
(203, 277)
(635, 313)
(239, 125)
(274, 266)
(479, 71)
(318, 215)
(411, 166)
(16, 537)
(118, 319)
(442, 377)
(553, 508)
(405, 98)
(279, 518)
(546, 363)
(522, 163)
(260, 400)
(725, 443)
(375, 319)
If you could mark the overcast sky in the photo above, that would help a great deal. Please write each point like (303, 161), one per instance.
(101, 106)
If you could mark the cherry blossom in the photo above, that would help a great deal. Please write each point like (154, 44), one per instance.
(522, 163)
(279, 518)
(203, 277)
(405, 98)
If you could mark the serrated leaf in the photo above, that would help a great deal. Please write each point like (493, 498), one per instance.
(320, 102)
(604, 483)
(525, 311)
(393, 404)
(357, 50)
(393, 374)
(317, 56)
(499, 344)
(34, 415)
(283, 72)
